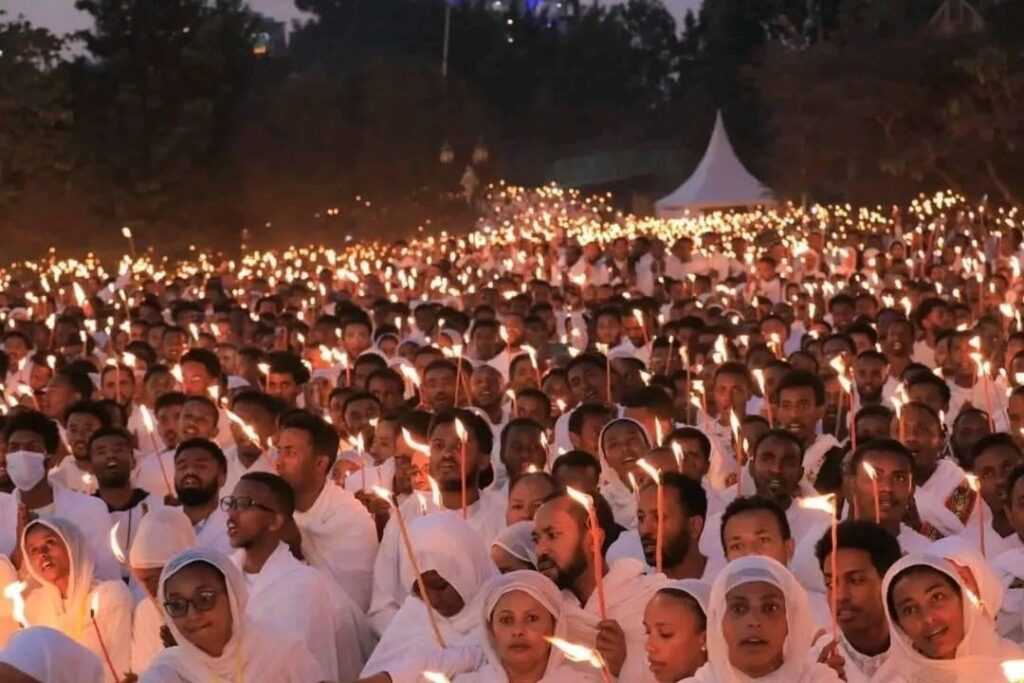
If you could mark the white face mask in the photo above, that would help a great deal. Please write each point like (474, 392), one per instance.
(26, 469)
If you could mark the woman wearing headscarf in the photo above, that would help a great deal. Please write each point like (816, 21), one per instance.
(513, 548)
(44, 655)
(67, 592)
(163, 533)
(676, 624)
(519, 611)
(941, 632)
(759, 627)
(204, 599)
(621, 443)
(455, 565)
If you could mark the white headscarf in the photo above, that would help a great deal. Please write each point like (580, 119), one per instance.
(163, 534)
(695, 588)
(962, 553)
(796, 668)
(46, 605)
(980, 653)
(619, 495)
(517, 541)
(252, 654)
(49, 656)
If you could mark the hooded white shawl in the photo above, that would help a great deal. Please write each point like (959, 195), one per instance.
(795, 666)
(253, 654)
(45, 606)
(49, 656)
(619, 495)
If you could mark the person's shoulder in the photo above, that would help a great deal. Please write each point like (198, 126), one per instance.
(80, 500)
(114, 592)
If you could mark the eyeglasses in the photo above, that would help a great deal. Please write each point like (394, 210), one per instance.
(202, 601)
(241, 503)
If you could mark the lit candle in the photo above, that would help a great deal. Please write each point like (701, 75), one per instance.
(385, 494)
(13, 593)
(655, 474)
(759, 376)
(94, 607)
(975, 485)
(1013, 669)
(460, 431)
(582, 654)
(603, 348)
(827, 503)
(147, 420)
(873, 476)
(588, 504)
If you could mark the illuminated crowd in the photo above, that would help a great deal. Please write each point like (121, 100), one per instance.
(782, 444)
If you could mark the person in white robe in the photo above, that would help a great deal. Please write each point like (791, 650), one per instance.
(745, 604)
(622, 442)
(69, 597)
(449, 550)
(163, 533)
(45, 655)
(926, 595)
(286, 593)
(231, 648)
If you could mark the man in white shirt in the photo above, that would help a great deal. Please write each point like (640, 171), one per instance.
(199, 472)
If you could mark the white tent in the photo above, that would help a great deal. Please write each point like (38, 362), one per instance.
(720, 181)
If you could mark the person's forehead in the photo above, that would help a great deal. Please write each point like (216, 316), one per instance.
(776, 444)
(753, 521)
(25, 435)
(251, 489)
(194, 408)
(855, 559)
(110, 441)
(195, 453)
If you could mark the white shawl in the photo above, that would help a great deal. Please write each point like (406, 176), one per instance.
(49, 656)
(619, 495)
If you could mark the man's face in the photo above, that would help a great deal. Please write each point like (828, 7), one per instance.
(174, 345)
(695, 464)
(873, 427)
(895, 487)
(898, 341)
(359, 415)
(870, 374)
(445, 458)
(355, 339)
(799, 413)
(938, 319)
(259, 419)
(283, 386)
(118, 384)
(588, 383)
(583, 479)
(245, 527)
(858, 591)
(486, 341)
(195, 378)
(756, 532)
(16, 350)
(731, 393)
(922, 435)
(112, 461)
(777, 468)
(523, 448)
(438, 389)
(168, 420)
(678, 528)
(388, 392)
(929, 395)
(560, 544)
(485, 387)
(197, 476)
(79, 428)
(993, 467)
(608, 329)
(970, 429)
(296, 462)
(157, 385)
(197, 420)
(1015, 411)
(59, 395)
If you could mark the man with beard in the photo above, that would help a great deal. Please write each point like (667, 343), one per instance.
(684, 508)
(864, 553)
(799, 404)
(286, 593)
(871, 373)
(197, 420)
(563, 540)
(199, 471)
(437, 390)
(334, 531)
(112, 461)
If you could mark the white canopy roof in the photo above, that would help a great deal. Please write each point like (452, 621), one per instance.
(719, 181)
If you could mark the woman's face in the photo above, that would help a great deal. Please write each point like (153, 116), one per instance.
(442, 595)
(520, 625)
(208, 628)
(755, 628)
(675, 637)
(48, 554)
(624, 444)
(929, 609)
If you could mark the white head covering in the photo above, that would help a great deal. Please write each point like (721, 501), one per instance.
(980, 653)
(796, 667)
(49, 656)
(963, 554)
(517, 541)
(696, 589)
(163, 534)
(70, 613)
(620, 497)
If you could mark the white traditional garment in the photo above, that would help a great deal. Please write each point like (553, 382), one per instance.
(236, 468)
(445, 544)
(339, 537)
(627, 591)
(1010, 568)
(163, 534)
(723, 468)
(49, 656)
(89, 515)
(517, 541)
(212, 532)
(988, 584)
(370, 475)
(156, 474)
(45, 605)
(541, 589)
(486, 517)
(290, 595)
(978, 656)
(795, 666)
(8, 626)
(814, 458)
(857, 667)
(804, 523)
(619, 495)
(71, 476)
(995, 543)
(254, 652)
(945, 502)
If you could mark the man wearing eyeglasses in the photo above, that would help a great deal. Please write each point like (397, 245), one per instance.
(285, 593)
(199, 472)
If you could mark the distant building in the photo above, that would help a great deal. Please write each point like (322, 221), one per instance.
(271, 39)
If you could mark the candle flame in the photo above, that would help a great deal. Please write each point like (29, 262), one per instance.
(382, 492)
(434, 677)
(13, 593)
(973, 482)
(869, 470)
(583, 499)
(435, 491)
(460, 430)
(824, 503)
(1013, 669)
(94, 605)
(677, 451)
(115, 547)
(417, 446)
(577, 653)
(650, 470)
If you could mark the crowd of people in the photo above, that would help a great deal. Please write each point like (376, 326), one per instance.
(770, 445)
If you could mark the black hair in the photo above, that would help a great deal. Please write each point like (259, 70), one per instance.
(798, 379)
(879, 544)
(89, 408)
(286, 363)
(205, 357)
(576, 458)
(272, 405)
(875, 446)
(755, 504)
(78, 380)
(692, 497)
(996, 440)
(1015, 475)
(782, 434)
(536, 394)
(171, 398)
(36, 422)
(108, 431)
(358, 396)
(583, 411)
(929, 378)
(440, 364)
(474, 424)
(280, 490)
(692, 433)
(322, 435)
(588, 358)
(206, 445)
